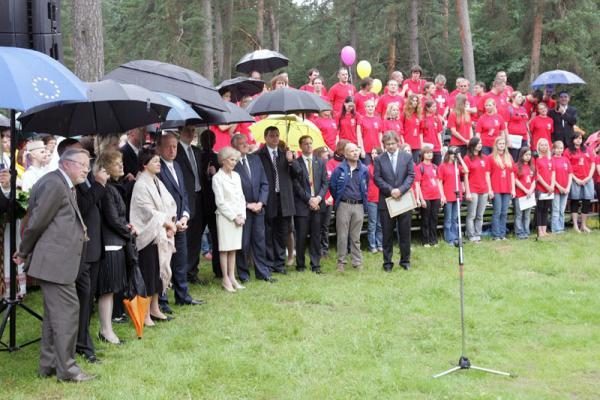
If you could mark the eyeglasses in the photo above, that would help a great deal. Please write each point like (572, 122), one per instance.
(82, 165)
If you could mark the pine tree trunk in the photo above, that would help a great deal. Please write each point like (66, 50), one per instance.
(536, 43)
(274, 25)
(88, 39)
(260, 22)
(445, 35)
(227, 38)
(207, 49)
(414, 33)
(462, 10)
(219, 46)
(393, 31)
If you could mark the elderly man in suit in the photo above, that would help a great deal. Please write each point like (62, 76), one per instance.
(135, 141)
(280, 204)
(172, 177)
(53, 211)
(394, 175)
(256, 192)
(310, 186)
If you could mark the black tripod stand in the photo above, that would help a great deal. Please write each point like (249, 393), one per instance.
(10, 305)
(463, 362)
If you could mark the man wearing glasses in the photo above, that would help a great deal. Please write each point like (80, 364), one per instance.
(53, 211)
(565, 118)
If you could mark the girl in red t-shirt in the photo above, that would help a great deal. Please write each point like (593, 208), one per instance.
(328, 128)
(563, 177)
(392, 121)
(524, 189)
(582, 189)
(374, 231)
(541, 126)
(517, 122)
(545, 186)
(476, 189)
(429, 193)
(459, 123)
(447, 180)
(431, 128)
(501, 183)
(490, 126)
(369, 131)
(411, 120)
(348, 121)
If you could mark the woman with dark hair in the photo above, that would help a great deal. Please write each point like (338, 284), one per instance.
(524, 188)
(429, 194)
(582, 189)
(348, 121)
(476, 189)
(153, 213)
(448, 180)
(517, 123)
(546, 181)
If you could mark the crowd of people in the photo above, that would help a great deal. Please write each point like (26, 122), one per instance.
(155, 194)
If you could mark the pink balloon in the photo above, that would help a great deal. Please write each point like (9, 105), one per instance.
(348, 55)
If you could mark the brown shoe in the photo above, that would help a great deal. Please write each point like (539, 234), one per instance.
(340, 267)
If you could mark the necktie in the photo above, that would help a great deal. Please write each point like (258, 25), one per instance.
(192, 159)
(310, 176)
(393, 158)
(172, 169)
(274, 159)
(246, 166)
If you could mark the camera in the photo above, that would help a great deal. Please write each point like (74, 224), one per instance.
(453, 150)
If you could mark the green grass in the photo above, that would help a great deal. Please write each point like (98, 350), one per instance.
(531, 309)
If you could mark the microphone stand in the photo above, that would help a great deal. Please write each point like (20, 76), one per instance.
(463, 361)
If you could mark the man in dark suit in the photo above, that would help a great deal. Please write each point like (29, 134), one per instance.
(53, 211)
(256, 192)
(172, 177)
(565, 118)
(5, 185)
(135, 141)
(310, 186)
(280, 204)
(188, 157)
(89, 195)
(394, 175)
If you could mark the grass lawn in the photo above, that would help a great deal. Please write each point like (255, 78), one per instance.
(532, 308)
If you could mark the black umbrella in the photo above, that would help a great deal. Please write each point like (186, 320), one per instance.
(233, 115)
(112, 108)
(262, 61)
(287, 101)
(241, 87)
(4, 122)
(163, 77)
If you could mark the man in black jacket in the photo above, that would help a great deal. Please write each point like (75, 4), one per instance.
(135, 141)
(565, 118)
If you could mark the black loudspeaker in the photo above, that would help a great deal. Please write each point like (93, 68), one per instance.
(30, 16)
(15, 40)
(50, 45)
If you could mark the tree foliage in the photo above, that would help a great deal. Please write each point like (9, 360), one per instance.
(312, 32)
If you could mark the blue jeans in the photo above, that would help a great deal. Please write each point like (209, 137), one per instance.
(206, 245)
(522, 221)
(374, 232)
(559, 203)
(450, 222)
(500, 202)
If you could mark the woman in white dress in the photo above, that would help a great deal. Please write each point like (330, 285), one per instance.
(231, 214)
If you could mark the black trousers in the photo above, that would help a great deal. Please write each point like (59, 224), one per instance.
(276, 234)
(253, 244)
(325, 221)
(402, 224)
(541, 212)
(429, 217)
(310, 224)
(86, 284)
(196, 227)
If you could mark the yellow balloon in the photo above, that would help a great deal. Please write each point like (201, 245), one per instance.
(363, 69)
(377, 85)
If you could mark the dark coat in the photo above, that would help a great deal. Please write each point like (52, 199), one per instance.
(177, 190)
(255, 187)
(114, 218)
(302, 184)
(286, 190)
(188, 174)
(89, 196)
(386, 180)
(563, 125)
(130, 160)
(208, 158)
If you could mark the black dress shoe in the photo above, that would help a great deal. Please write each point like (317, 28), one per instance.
(317, 270)
(270, 280)
(80, 377)
(165, 309)
(405, 266)
(91, 358)
(387, 268)
(156, 319)
(190, 302)
(300, 269)
(105, 340)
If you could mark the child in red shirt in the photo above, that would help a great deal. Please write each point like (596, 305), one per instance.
(545, 186)
(541, 126)
(411, 120)
(374, 231)
(348, 121)
(476, 188)
(563, 176)
(582, 189)
(431, 128)
(502, 186)
(448, 186)
(524, 171)
(369, 132)
(429, 194)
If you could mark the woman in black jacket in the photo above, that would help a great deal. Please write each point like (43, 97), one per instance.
(116, 232)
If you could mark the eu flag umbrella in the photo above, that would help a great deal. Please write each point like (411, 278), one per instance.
(29, 79)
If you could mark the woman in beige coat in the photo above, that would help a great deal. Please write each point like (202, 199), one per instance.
(231, 214)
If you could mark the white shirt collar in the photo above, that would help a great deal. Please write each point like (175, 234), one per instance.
(69, 182)
(136, 150)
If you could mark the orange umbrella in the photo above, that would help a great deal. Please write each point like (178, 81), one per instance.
(137, 308)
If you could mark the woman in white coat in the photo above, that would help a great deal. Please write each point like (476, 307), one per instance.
(231, 214)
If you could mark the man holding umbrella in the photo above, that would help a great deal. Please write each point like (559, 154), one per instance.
(565, 118)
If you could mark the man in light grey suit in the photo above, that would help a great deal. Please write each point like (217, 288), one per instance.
(394, 175)
(54, 259)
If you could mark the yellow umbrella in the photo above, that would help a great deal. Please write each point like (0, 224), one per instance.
(291, 128)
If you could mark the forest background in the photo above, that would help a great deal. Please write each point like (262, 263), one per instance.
(524, 38)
